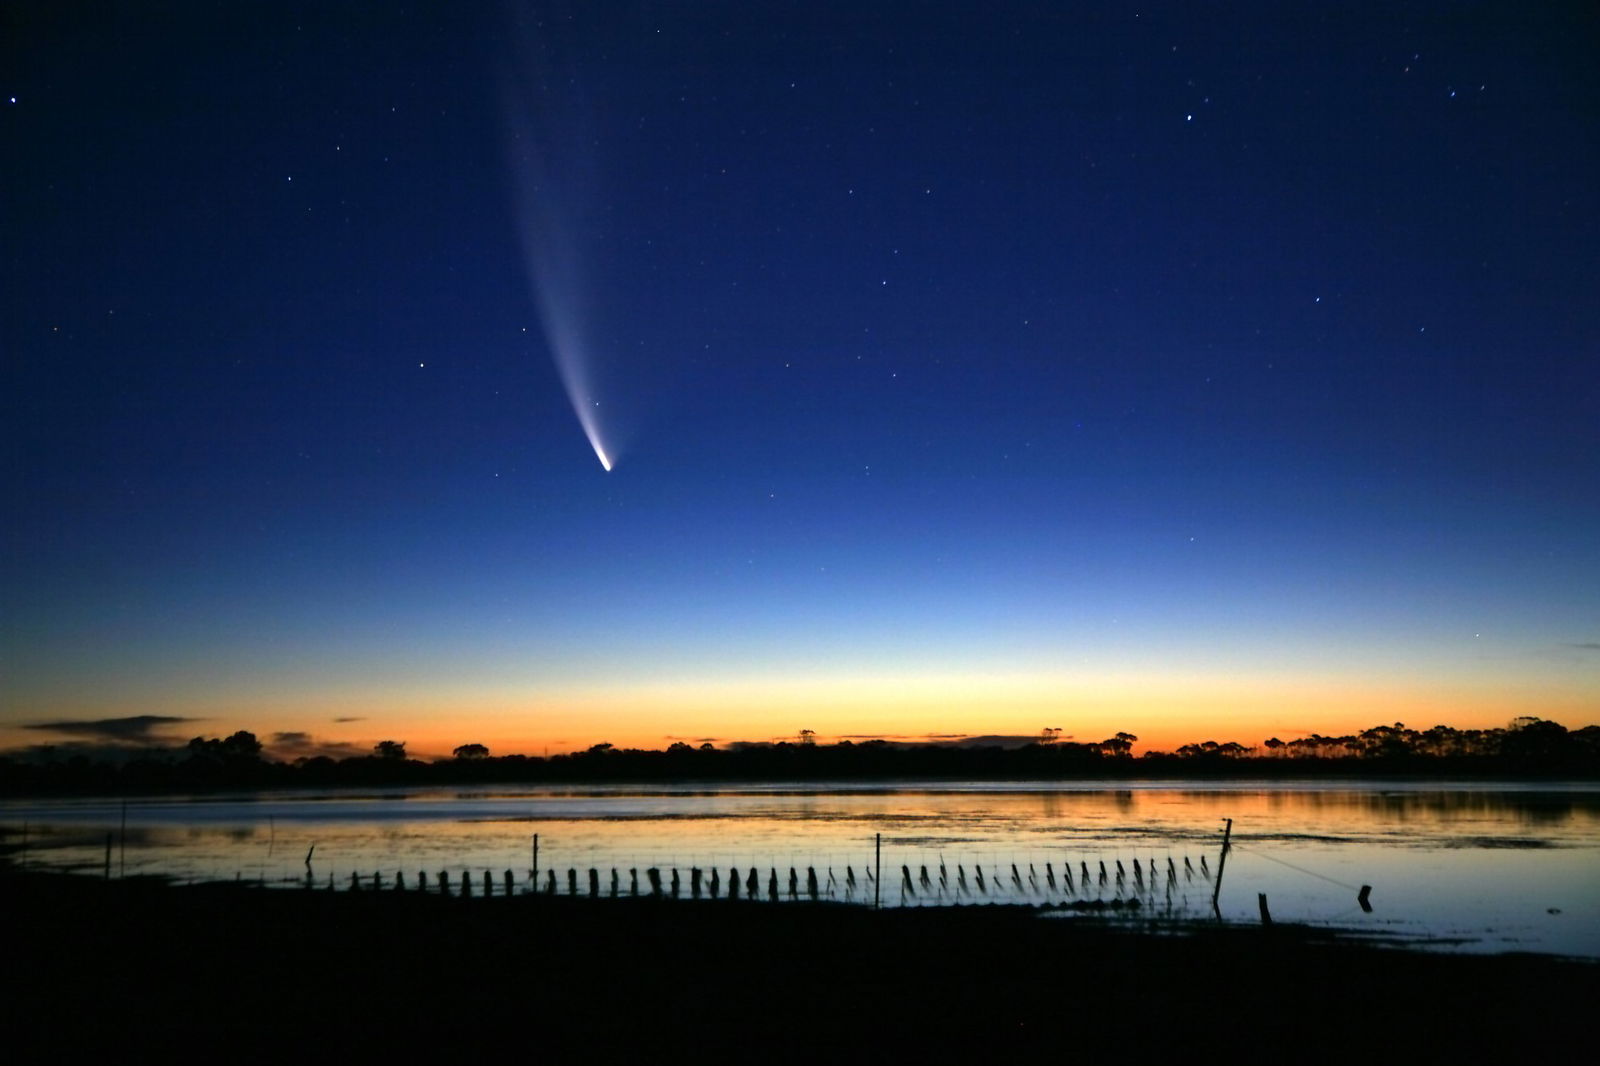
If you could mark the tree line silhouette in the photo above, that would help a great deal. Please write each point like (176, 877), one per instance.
(1526, 747)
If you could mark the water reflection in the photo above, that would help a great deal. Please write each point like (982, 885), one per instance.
(1505, 866)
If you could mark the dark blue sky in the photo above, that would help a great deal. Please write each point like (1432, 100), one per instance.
(974, 368)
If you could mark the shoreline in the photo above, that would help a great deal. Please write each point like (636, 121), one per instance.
(844, 786)
(410, 971)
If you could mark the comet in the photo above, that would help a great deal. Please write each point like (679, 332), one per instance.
(547, 142)
(594, 442)
(571, 354)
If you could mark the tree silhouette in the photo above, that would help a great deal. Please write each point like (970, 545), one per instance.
(1119, 745)
(1531, 739)
(1527, 745)
(240, 747)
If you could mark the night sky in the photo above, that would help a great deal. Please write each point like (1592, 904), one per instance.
(966, 368)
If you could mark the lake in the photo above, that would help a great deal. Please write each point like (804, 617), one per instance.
(1471, 866)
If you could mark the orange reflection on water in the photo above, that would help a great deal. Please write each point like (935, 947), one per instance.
(1518, 860)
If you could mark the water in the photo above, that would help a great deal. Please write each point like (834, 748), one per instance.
(1484, 867)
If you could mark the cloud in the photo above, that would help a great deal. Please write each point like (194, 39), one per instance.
(896, 736)
(948, 739)
(990, 741)
(297, 745)
(351, 718)
(139, 730)
(694, 740)
(932, 740)
(94, 751)
(1586, 645)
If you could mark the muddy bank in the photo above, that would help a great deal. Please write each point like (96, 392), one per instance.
(223, 970)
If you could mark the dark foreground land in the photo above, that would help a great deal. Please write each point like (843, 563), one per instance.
(226, 973)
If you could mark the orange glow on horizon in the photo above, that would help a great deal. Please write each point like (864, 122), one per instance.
(1164, 712)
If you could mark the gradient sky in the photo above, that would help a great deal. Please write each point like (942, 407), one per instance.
(1202, 375)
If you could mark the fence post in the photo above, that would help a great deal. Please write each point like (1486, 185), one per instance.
(1222, 862)
(877, 880)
